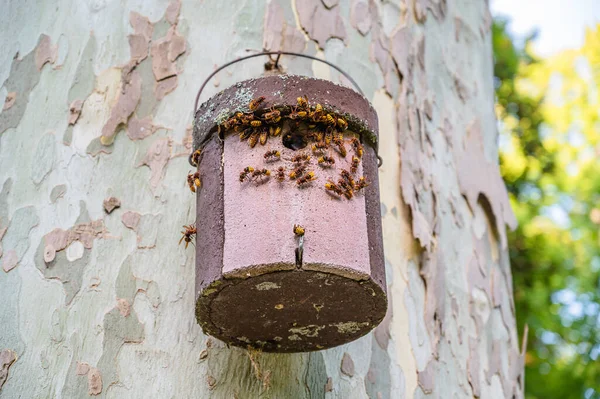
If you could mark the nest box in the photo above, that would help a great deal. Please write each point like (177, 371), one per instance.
(289, 251)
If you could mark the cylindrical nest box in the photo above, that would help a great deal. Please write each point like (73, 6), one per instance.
(289, 251)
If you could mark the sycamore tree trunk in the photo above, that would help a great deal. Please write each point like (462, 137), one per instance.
(97, 298)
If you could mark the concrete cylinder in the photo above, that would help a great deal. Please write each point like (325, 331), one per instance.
(252, 290)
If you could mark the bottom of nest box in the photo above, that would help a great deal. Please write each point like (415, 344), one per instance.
(290, 311)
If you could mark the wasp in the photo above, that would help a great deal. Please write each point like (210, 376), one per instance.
(333, 188)
(280, 174)
(341, 148)
(246, 133)
(253, 139)
(342, 124)
(193, 180)
(316, 135)
(256, 123)
(307, 178)
(188, 234)
(354, 166)
(358, 147)
(255, 103)
(302, 102)
(326, 161)
(330, 120)
(263, 137)
(361, 183)
(272, 156)
(348, 177)
(272, 114)
(302, 157)
(196, 157)
(295, 114)
(298, 230)
(317, 113)
(244, 173)
(320, 146)
(275, 130)
(261, 173)
(297, 172)
(328, 136)
(347, 190)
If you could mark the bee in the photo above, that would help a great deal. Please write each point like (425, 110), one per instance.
(263, 137)
(255, 103)
(302, 157)
(298, 230)
(348, 177)
(342, 124)
(307, 178)
(260, 174)
(256, 123)
(271, 156)
(193, 180)
(341, 148)
(196, 157)
(281, 174)
(275, 130)
(253, 139)
(297, 172)
(244, 173)
(358, 147)
(330, 120)
(354, 166)
(188, 234)
(246, 133)
(272, 114)
(302, 102)
(326, 161)
(319, 146)
(361, 183)
(333, 188)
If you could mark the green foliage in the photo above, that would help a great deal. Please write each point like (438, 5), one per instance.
(550, 159)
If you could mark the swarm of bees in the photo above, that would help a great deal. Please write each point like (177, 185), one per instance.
(321, 131)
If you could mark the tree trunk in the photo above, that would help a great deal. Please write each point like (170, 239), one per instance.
(98, 298)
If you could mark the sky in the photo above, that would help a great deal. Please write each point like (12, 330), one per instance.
(561, 23)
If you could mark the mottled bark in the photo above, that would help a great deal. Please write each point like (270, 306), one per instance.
(98, 298)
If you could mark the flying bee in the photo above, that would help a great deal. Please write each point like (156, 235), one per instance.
(255, 103)
(354, 166)
(261, 174)
(298, 230)
(361, 183)
(326, 161)
(196, 157)
(280, 174)
(342, 124)
(302, 102)
(302, 157)
(333, 188)
(188, 234)
(256, 123)
(348, 177)
(263, 137)
(253, 139)
(330, 120)
(341, 148)
(297, 172)
(272, 114)
(307, 178)
(244, 173)
(272, 156)
(193, 180)
(274, 130)
(320, 146)
(358, 147)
